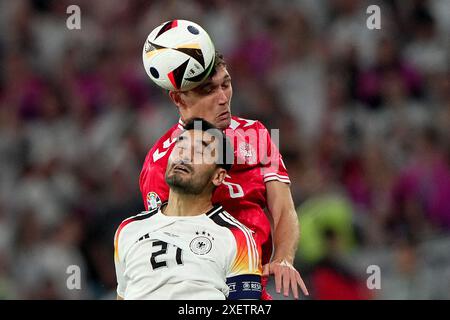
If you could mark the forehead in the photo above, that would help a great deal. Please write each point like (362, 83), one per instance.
(195, 136)
(220, 76)
(221, 73)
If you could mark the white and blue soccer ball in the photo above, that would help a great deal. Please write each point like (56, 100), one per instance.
(178, 55)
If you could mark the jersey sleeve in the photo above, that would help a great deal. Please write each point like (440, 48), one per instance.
(119, 266)
(244, 273)
(273, 167)
(143, 178)
(152, 183)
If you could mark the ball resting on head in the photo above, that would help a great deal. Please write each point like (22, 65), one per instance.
(178, 55)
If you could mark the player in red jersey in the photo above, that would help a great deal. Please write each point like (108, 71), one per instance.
(257, 181)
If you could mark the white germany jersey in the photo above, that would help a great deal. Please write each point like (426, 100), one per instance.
(210, 256)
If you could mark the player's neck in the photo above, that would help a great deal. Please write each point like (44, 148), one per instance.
(187, 205)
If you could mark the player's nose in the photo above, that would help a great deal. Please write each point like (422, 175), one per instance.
(185, 156)
(222, 96)
(181, 155)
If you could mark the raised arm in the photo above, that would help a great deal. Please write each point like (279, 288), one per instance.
(285, 237)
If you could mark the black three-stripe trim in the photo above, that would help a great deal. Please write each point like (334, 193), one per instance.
(145, 214)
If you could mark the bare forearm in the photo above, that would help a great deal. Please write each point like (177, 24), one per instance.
(286, 236)
(285, 221)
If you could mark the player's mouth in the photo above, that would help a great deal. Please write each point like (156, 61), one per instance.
(224, 115)
(181, 168)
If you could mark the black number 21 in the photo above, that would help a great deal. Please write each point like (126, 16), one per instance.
(163, 250)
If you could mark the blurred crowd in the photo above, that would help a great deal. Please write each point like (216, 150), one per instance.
(364, 119)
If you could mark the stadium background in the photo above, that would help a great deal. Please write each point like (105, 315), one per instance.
(364, 118)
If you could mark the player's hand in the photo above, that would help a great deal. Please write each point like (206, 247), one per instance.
(285, 276)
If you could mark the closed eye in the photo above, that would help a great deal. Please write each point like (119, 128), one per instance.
(208, 89)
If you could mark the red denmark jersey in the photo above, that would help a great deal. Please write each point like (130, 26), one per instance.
(243, 192)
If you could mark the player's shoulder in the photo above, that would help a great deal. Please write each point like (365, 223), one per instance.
(246, 253)
(133, 221)
(245, 124)
(225, 220)
(127, 229)
(169, 135)
(159, 148)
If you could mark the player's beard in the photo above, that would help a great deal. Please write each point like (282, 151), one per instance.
(191, 183)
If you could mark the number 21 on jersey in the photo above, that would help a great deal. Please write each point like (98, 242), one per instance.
(159, 262)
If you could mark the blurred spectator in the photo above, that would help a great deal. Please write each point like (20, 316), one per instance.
(410, 280)
(427, 50)
(387, 62)
(78, 115)
(347, 30)
(332, 279)
(326, 208)
(421, 194)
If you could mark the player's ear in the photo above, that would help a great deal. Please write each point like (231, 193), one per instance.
(219, 176)
(177, 98)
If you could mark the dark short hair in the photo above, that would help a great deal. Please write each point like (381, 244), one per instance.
(219, 61)
(226, 153)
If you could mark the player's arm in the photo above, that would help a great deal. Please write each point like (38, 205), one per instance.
(285, 238)
(119, 297)
(285, 222)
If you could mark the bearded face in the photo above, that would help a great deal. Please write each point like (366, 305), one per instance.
(191, 165)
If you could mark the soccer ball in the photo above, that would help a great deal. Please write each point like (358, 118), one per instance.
(178, 55)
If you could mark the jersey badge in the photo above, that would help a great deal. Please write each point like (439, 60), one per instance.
(153, 200)
(247, 152)
(202, 243)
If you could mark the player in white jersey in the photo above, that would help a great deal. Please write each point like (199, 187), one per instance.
(188, 248)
